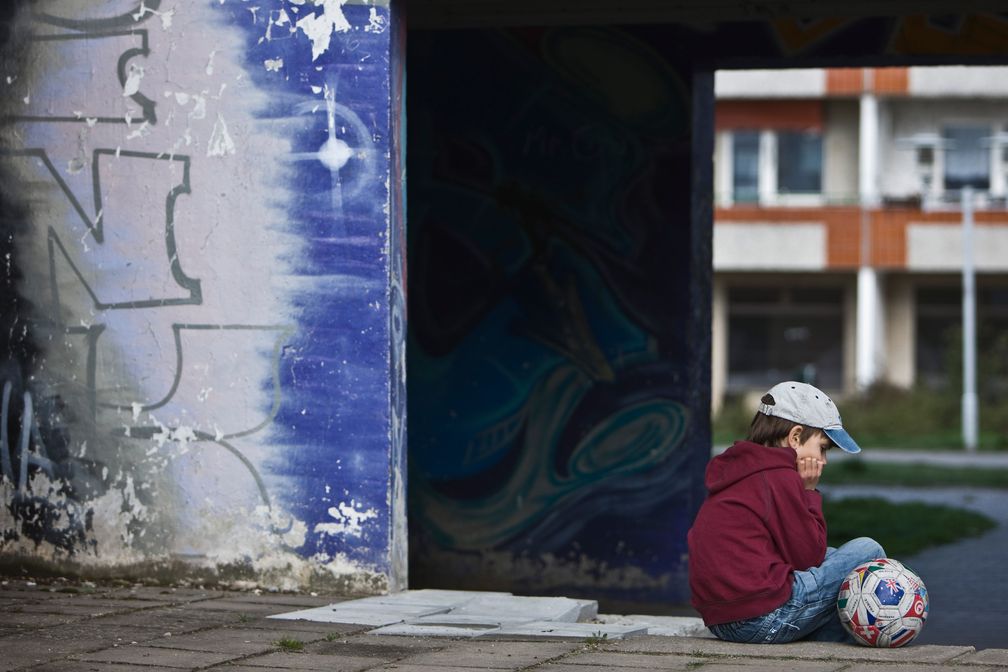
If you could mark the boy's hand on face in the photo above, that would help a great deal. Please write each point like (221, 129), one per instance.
(810, 469)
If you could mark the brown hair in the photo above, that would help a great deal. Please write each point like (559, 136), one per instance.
(769, 430)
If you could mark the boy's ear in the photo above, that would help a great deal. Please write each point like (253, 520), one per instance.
(794, 436)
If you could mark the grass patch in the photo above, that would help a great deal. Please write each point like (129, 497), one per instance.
(289, 644)
(854, 471)
(903, 528)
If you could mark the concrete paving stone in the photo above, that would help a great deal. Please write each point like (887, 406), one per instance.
(82, 666)
(30, 620)
(23, 650)
(149, 655)
(411, 643)
(459, 630)
(342, 629)
(911, 667)
(668, 626)
(563, 630)
(432, 597)
(379, 648)
(776, 666)
(804, 650)
(166, 593)
(96, 634)
(985, 657)
(374, 614)
(282, 599)
(173, 619)
(307, 662)
(676, 665)
(239, 641)
(588, 657)
(237, 606)
(491, 655)
(85, 609)
(520, 609)
(410, 667)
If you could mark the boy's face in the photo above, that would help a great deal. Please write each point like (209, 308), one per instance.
(814, 447)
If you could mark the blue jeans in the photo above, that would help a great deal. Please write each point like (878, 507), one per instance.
(811, 613)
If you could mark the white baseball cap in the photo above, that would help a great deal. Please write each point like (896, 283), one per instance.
(808, 406)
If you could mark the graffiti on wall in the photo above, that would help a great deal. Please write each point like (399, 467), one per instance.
(553, 434)
(196, 245)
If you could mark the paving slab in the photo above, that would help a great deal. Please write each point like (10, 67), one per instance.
(910, 667)
(237, 641)
(667, 626)
(434, 597)
(341, 629)
(491, 655)
(520, 609)
(701, 646)
(173, 619)
(588, 657)
(16, 618)
(410, 667)
(236, 606)
(82, 666)
(461, 629)
(985, 657)
(561, 630)
(148, 655)
(308, 662)
(373, 613)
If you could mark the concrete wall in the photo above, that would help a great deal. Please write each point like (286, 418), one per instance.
(203, 297)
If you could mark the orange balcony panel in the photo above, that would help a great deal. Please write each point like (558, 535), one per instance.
(798, 115)
(844, 81)
(891, 81)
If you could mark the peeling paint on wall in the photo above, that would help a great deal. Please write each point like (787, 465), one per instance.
(189, 228)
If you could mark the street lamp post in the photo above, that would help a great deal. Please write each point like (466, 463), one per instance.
(927, 144)
(970, 407)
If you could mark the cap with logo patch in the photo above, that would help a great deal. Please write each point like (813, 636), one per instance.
(808, 406)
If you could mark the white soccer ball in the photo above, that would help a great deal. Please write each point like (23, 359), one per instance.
(883, 603)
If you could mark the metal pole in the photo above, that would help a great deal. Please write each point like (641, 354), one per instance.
(970, 411)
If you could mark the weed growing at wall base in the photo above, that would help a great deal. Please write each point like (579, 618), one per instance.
(289, 644)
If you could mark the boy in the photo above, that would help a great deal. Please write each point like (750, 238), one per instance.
(759, 568)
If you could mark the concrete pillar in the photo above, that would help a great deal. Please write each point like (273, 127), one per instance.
(719, 343)
(209, 200)
(870, 339)
(901, 331)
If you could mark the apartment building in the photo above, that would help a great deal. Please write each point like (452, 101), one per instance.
(838, 237)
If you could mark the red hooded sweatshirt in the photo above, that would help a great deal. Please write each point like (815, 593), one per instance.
(758, 525)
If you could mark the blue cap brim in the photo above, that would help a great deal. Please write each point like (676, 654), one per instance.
(843, 439)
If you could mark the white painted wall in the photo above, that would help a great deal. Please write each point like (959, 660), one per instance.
(959, 81)
(938, 247)
(764, 246)
(788, 83)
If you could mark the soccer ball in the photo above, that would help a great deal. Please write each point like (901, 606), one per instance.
(883, 603)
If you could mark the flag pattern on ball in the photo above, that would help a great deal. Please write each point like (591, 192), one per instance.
(883, 603)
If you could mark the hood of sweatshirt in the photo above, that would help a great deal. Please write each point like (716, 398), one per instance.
(744, 459)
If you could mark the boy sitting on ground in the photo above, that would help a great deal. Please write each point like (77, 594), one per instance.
(759, 567)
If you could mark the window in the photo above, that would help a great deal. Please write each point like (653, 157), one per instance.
(799, 162)
(745, 166)
(773, 167)
(939, 334)
(967, 157)
(779, 333)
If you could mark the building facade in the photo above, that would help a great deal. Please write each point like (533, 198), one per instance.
(838, 244)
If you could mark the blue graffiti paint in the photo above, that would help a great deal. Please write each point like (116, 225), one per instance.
(334, 423)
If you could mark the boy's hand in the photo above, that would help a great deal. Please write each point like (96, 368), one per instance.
(810, 469)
